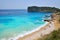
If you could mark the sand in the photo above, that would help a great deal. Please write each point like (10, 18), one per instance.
(39, 33)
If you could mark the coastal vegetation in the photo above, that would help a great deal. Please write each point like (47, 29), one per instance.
(43, 9)
(55, 35)
(59, 20)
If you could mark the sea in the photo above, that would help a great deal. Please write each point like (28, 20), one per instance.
(14, 22)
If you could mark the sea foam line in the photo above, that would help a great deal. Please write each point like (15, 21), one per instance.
(27, 33)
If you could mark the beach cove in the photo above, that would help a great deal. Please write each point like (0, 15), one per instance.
(51, 28)
(48, 28)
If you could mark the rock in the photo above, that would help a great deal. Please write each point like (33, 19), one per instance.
(42, 9)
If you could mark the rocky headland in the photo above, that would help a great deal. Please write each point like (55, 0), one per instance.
(42, 9)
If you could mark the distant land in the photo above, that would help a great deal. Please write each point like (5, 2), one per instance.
(43, 9)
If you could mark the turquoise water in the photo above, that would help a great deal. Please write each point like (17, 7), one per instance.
(15, 22)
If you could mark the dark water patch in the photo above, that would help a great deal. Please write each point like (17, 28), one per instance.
(5, 20)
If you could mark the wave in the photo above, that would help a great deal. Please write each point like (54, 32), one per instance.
(24, 33)
(27, 33)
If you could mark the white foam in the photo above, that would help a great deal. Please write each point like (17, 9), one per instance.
(25, 33)
(22, 35)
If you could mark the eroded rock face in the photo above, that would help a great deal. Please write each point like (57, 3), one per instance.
(42, 9)
(56, 18)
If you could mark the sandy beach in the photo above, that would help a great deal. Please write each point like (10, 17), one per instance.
(48, 28)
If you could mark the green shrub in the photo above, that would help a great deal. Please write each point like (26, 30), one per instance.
(59, 20)
(55, 35)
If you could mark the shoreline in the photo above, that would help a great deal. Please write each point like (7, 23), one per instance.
(30, 32)
(35, 33)
(26, 33)
(40, 32)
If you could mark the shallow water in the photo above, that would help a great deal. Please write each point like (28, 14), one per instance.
(15, 22)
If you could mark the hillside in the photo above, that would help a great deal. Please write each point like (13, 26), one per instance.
(42, 9)
(55, 35)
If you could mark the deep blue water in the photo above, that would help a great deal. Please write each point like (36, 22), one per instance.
(15, 22)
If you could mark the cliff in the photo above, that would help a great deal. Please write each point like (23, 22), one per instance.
(43, 9)
(56, 18)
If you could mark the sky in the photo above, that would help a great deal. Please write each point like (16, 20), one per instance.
(23, 4)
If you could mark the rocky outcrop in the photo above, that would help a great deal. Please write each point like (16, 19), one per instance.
(56, 18)
(43, 9)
